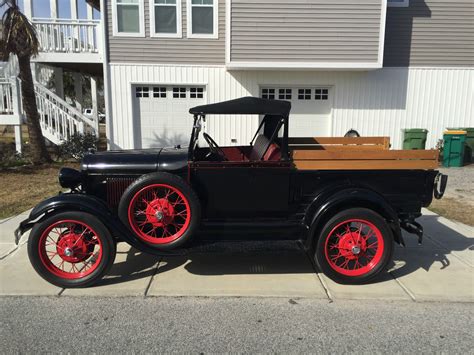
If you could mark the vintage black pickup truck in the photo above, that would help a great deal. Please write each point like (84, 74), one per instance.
(346, 199)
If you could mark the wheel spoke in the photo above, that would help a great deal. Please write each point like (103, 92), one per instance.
(78, 239)
(354, 247)
(167, 200)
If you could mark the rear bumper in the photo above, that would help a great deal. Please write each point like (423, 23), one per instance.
(440, 183)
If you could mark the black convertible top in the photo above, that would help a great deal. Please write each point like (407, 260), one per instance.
(246, 106)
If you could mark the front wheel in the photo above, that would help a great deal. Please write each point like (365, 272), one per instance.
(354, 246)
(71, 249)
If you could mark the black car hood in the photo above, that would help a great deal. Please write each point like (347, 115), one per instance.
(135, 161)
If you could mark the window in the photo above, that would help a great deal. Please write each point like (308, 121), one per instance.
(398, 3)
(268, 94)
(203, 18)
(159, 92)
(179, 93)
(321, 94)
(142, 91)
(165, 18)
(304, 94)
(284, 94)
(127, 18)
(196, 93)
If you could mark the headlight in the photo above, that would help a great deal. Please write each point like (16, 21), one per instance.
(69, 178)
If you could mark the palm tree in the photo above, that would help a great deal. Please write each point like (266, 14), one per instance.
(19, 38)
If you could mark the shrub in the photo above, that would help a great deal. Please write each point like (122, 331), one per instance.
(77, 146)
(9, 156)
(440, 148)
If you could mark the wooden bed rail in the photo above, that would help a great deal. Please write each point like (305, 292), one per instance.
(340, 143)
(365, 159)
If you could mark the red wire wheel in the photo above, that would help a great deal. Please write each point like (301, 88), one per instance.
(70, 249)
(159, 213)
(354, 247)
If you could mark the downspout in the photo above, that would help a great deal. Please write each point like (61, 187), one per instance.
(106, 70)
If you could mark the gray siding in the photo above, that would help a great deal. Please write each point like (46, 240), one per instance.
(305, 30)
(167, 50)
(430, 33)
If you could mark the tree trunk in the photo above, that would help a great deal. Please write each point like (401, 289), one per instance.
(39, 154)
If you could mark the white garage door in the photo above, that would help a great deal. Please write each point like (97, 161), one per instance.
(311, 109)
(161, 114)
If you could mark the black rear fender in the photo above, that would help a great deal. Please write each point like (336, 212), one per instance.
(326, 204)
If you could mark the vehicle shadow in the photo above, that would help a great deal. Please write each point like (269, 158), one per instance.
(288, 257)
(440, 244)
(130, 265)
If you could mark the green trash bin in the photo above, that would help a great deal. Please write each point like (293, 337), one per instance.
(453, 151)
(469, 152)
(469, 145)
(414, 138)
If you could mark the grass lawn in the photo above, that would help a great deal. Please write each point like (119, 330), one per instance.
(23, 187)
(454, 209)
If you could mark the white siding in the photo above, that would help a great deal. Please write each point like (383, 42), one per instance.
(219, 84)
(381, 102)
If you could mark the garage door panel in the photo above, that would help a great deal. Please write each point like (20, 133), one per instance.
(162, 118)
(311, 108)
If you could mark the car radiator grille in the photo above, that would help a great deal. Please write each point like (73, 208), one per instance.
(115, 189)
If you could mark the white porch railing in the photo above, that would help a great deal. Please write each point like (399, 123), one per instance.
(68, 36)
(59, 120)
(10, 104)
(6, 98)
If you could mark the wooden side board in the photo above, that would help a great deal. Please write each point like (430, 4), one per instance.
(365, 154)
(331, 143)
(365, 159)
(365, 164)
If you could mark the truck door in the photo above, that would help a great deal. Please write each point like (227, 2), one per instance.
(242, 190)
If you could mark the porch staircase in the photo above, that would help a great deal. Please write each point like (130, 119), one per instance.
(60, 120)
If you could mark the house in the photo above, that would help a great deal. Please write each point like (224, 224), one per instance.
(70, 44)
(377, 66)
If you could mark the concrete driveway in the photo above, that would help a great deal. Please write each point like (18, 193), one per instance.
(439, 270)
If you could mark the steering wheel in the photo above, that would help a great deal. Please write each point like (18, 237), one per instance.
(214, 148)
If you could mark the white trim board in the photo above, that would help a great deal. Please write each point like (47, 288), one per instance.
(51, 57)
(301, 65)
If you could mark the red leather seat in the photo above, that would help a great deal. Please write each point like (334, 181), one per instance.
(273, 153)
(258, 150)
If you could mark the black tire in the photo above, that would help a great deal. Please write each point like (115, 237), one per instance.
(38, 250)
(149, 229)
(334, 240)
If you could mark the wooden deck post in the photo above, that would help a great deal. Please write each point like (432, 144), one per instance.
(95, 110)
(16, 100)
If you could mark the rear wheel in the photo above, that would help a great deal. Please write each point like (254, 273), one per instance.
(71, 249)
(161, 209)
(354, 246)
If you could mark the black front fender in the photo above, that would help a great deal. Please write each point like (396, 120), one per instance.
(83, 203)
(70, 202)
(329, 202)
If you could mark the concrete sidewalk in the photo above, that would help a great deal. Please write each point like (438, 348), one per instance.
(439, 270)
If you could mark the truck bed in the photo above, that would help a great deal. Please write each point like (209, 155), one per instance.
(357, 153)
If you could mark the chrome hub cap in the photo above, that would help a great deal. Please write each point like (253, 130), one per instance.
(355, 250)
(68, 252)
(159, 215)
